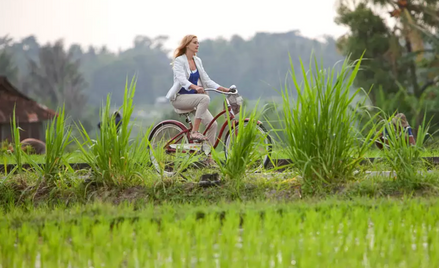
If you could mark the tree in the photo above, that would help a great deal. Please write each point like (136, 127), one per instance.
(400, 59)
(416, 21)
(56, 77)
(7, 65)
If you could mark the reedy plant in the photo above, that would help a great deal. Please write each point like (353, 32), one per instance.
(18, 153)
(183, 160)
(114, 158)
(57, 135)
(244, 146)
(321, 127)
(405, 159)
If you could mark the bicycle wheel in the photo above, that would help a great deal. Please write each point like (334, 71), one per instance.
(264, 149)
(164, 157)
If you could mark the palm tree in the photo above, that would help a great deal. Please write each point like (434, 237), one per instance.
(56, 76)
(7, 66)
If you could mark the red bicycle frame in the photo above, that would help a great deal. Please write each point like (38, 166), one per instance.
(186, 131)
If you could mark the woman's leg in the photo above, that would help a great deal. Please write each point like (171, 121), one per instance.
(190, 101)
(211, 132)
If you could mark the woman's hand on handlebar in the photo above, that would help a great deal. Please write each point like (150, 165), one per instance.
(223, 89)
(200, 90)
(232, 89)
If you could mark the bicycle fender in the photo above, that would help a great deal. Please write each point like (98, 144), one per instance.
(180, 124)
(170, 121)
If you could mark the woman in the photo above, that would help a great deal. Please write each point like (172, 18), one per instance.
(190, 80)
(401, 120)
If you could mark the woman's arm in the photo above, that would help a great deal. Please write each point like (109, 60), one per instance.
(180, 74)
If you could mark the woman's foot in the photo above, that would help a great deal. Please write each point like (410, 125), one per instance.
(197, 136)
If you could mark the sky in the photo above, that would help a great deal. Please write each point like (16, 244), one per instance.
(115, 23)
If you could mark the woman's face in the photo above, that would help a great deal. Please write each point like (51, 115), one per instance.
(193, 45)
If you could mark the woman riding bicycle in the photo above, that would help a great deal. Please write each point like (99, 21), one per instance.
(190, 80)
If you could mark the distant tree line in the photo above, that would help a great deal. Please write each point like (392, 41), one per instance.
(56, 71)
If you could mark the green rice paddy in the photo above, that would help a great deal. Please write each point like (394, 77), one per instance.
(360, 233)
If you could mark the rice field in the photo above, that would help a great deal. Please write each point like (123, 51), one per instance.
(359, 233)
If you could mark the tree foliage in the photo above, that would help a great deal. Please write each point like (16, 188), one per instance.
(56, 79)
(256, 65)
(7, 65)
(401, 57)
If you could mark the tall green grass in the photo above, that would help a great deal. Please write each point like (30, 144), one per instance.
(18, 153)
(58, 137)
(115, 158)
(321, 126)
(244, 147)
(404, 159)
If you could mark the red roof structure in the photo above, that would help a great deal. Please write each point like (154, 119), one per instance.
(29, 114)
(26, 109)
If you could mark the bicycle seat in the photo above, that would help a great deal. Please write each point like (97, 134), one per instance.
(182, 112)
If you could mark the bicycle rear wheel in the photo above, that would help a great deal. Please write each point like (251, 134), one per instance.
(163, 139)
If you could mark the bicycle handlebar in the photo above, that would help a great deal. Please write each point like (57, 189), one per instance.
(232, 91)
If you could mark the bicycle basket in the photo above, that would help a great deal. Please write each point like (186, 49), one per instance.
(235, 102)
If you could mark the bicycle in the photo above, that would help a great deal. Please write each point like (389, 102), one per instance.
(180, 139)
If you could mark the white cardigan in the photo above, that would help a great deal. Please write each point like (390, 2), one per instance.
(182, 73)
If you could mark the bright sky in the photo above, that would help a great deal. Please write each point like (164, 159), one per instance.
(115, 23)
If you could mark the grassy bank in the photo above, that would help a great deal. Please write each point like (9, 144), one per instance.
(286, 186)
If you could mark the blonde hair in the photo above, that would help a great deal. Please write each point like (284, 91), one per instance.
(400, 118)
(181, 49)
